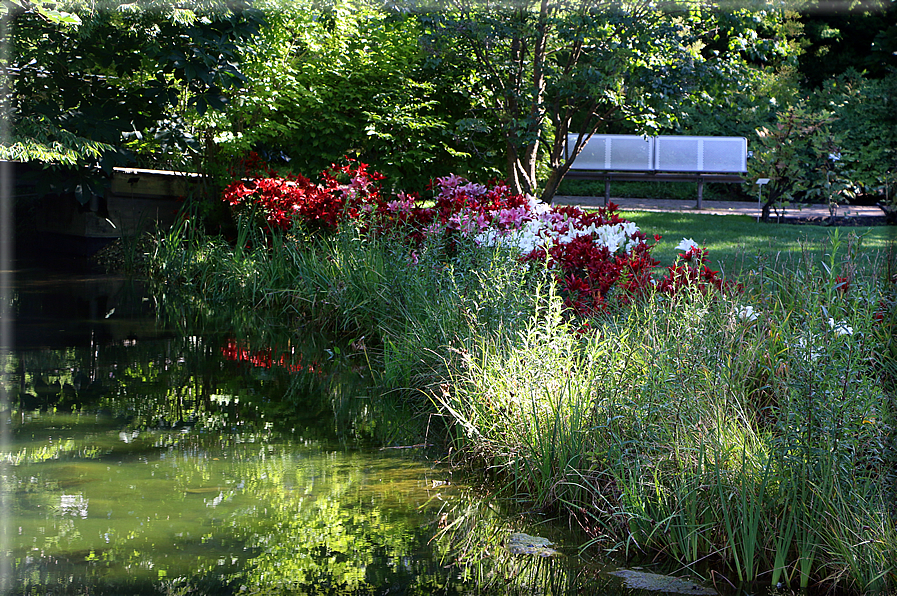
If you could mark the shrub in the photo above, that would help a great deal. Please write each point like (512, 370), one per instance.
(598, 257)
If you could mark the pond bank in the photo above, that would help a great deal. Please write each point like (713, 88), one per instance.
(160, 459)
(700, 426)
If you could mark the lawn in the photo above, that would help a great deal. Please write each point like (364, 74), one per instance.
(734, 241)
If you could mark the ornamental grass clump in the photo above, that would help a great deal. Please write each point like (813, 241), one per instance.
(747, 433)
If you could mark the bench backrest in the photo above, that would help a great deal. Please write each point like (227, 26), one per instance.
(665, 153)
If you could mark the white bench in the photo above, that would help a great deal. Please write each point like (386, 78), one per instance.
(664, 158)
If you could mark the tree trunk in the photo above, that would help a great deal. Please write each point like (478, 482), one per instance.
(551, 186)
(516, 185)
(775, 193)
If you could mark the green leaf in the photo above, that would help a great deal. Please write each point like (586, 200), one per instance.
(58, 17)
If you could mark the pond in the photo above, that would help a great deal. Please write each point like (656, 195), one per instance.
(147, 458)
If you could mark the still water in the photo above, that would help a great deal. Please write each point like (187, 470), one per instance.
(158, 459)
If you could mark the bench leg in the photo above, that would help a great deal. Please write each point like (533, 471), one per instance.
(700, 191)
(606, 191)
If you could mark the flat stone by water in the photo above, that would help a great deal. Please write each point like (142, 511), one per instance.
(669, 584)
(524, 544)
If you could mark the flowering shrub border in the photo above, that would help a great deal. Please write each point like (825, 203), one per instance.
(598, 257)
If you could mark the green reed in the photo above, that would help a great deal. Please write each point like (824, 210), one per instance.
(702, 430)
(413, 305)
(750, 433)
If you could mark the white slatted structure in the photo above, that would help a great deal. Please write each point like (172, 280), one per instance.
(616, 152)
(660, 158)
(722, 155)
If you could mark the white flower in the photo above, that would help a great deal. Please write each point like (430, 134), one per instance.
(806, 345)
(747, 313)
(536, 207)
(840, 327)
(686, 245)
(547, 227)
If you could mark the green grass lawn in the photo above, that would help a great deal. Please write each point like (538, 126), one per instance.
(734, 241)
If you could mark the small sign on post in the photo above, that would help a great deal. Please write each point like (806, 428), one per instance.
(760, 182)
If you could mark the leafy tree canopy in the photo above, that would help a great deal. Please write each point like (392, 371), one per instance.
(538, 70)
(337, 79)
(861, 36)
(86, 80)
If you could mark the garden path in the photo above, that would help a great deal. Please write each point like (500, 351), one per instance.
(862, 213)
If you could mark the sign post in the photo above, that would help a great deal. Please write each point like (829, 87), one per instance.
(760, 182)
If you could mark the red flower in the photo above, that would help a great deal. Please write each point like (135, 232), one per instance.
(591, 278)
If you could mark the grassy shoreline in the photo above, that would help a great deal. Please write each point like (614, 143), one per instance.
(748, 429)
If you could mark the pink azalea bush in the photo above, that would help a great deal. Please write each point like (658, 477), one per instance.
(597, 257)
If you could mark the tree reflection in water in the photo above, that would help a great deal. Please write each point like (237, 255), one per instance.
(161, 460)
(199, 463)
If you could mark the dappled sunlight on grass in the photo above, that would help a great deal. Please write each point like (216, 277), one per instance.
(734, 240)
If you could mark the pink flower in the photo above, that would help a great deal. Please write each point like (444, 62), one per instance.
(472, 189)
(512, 216)
(403, 203)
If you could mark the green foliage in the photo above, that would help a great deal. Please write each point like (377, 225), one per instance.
(47, 9)
(37, 139)
(82, 87)
(867, 128)
(732, 429)
(860, 36)
(764, 87)
(704, 429)
(328, 81)
(801, 157)
(540, 70)
(353, 286)
(754, 56)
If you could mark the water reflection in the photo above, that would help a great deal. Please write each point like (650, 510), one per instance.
(61, 303)
(242, 461)
(115, 507)
(179, 511)
(217, 462)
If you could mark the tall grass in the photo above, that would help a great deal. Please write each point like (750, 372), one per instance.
(755, 441)
(412, 306)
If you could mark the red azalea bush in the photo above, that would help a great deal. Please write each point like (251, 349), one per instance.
(596, 256)
(320, 207)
